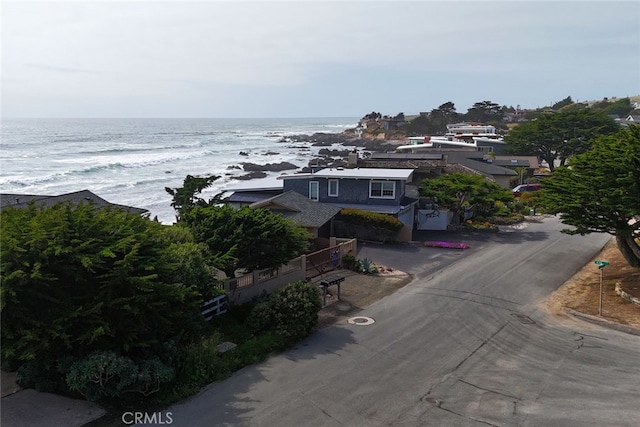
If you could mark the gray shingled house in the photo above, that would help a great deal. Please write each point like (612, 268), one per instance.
(316, 217)
(82, 196)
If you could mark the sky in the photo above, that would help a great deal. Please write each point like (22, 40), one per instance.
(308, 58)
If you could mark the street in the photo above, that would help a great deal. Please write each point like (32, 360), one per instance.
(466, 343)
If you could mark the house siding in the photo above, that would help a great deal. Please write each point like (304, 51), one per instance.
(349, 191)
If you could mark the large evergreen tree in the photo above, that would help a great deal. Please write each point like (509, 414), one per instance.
(188, 196)
(558, 136)
(600, 191)
(76, 280)
(460, 192)
(246, 238)
(484, 112)
(236, 238)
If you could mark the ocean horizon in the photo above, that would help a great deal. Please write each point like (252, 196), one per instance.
(130, 161)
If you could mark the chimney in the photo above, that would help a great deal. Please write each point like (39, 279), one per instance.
(353, 158)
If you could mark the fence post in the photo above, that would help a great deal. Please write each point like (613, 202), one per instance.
(303, 264)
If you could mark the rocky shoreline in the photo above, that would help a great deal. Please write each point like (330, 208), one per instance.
(326, 157)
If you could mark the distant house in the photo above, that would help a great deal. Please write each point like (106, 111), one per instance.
(633, 118)
(83, 196)
(430, 164)
(314, 216)
(389, 123)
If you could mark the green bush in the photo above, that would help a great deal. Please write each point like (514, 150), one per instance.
(108, 375)
(261, 318)
(259, 348)
(527, 197)
(350, 262)
(198, 363)
(291, 312)
(370, 219)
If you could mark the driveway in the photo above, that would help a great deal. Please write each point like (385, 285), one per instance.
(465, 343)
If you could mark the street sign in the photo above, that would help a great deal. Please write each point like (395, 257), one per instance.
(601, 264)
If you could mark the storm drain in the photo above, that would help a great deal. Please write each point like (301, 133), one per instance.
(523, 319)
(361, 321)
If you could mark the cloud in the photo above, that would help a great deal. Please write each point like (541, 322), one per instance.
(173, 52)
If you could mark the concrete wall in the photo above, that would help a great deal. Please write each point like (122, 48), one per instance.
(407, 216)
(426, 220)
(247, 293)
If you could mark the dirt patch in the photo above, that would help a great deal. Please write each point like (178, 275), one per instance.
(358, 291)
(581, 293)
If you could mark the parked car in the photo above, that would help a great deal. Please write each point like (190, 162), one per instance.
(525, 188)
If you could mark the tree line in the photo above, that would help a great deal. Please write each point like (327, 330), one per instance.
(502, 117)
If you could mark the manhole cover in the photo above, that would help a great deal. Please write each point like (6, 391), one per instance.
(361, 321)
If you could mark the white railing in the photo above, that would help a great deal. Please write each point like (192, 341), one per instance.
(215, 306)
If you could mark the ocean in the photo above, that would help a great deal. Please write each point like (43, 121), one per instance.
(131, 161)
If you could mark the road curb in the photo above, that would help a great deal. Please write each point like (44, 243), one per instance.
(603, 322)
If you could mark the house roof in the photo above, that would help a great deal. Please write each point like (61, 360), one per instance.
(83, 196)
(299, 209)
(486, 168)
(406, 156)
(251, 196)
(384, 209)
(517, 161)
(260, 184)
(357, 173)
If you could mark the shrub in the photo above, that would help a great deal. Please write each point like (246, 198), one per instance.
(527, 197)
(370, 219)
(291, 312)
(260, 319)
(259, 348)
(198, 363)
(106, 374)
(350, 262)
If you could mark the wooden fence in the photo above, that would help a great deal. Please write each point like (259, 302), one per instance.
(262, 282)
(328, 259)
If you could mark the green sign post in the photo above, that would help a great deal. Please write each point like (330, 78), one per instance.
(601, 265)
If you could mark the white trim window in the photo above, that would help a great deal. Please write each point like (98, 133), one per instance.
(332, 190)
(314, 190)
(382, 189)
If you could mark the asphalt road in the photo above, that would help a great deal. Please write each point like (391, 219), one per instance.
(465, 344)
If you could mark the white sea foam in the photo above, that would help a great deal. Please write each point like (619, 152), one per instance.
(131, 161)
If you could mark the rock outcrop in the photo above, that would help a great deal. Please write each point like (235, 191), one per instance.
(269, 167)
